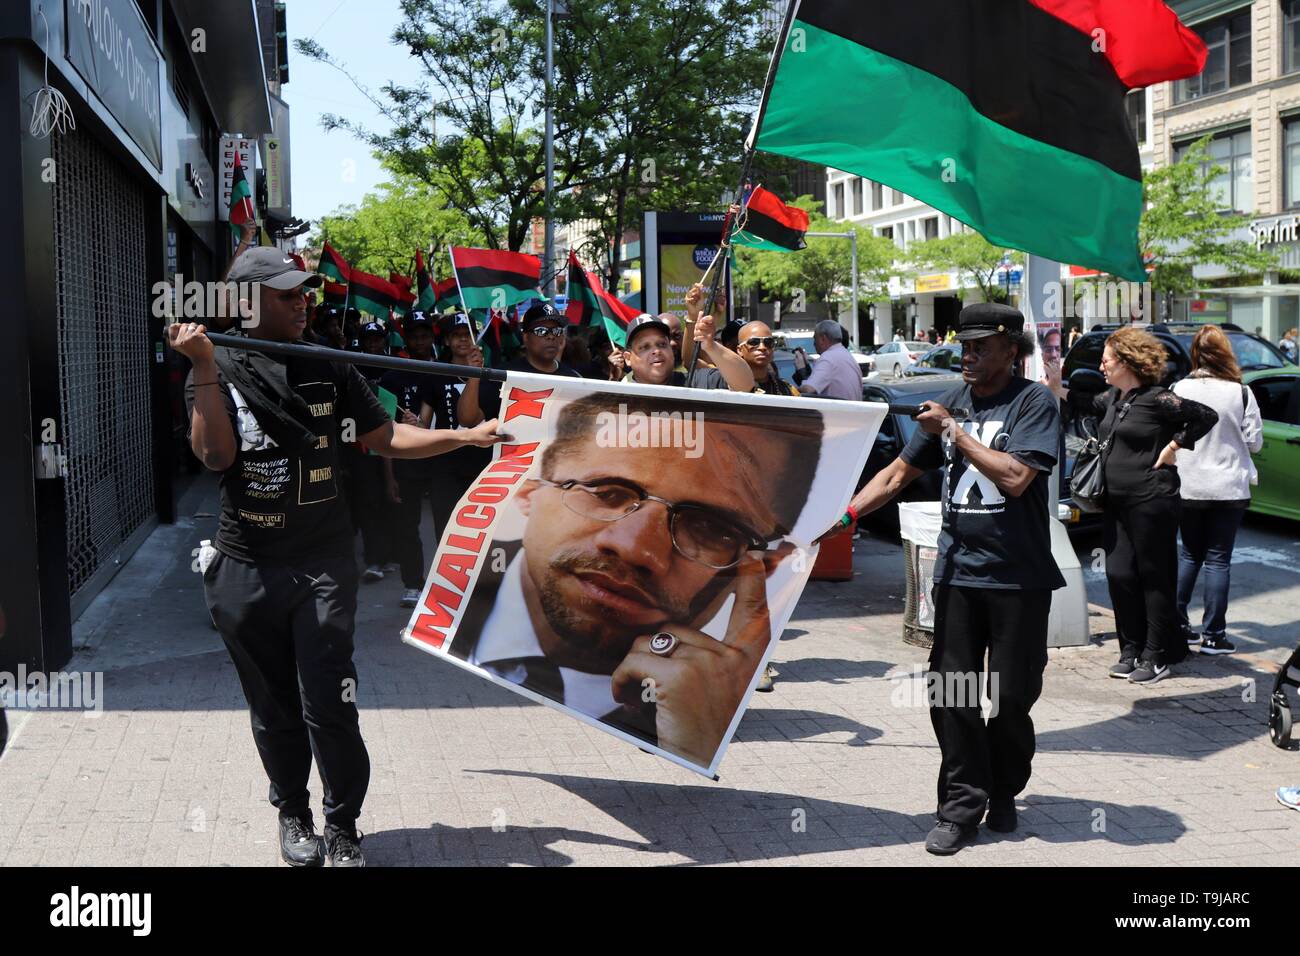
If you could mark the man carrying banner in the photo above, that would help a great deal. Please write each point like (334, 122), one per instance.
(282, 583)
(544, 331)
(995, 572)
(650, 359)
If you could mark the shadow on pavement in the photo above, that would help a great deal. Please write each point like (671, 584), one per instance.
(708, 825)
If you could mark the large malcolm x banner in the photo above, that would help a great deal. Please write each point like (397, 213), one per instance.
(634, 552)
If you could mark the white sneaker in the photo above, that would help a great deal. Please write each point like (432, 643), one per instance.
(373, 573)
(410, 597)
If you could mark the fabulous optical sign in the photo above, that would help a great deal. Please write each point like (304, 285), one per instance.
(113, 51)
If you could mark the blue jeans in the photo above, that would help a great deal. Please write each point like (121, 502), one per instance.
(1207, 538)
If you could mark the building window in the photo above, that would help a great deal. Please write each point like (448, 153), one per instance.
(1228, 63)
(932, 227)
(857, 195)
(839, 200)
(1234, 186)
(895, 197)
(1291, 163)
(877, 196)
(886, 232)
(1290, 36)
(1135, 104)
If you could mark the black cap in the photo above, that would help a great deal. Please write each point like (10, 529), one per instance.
(988, 318)
(646, 321)
(453, 320)
(543, 312)
(419, 318)
(373, 328)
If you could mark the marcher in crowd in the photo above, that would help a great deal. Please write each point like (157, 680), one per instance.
(374, 487)
(757, 346)
(282, 585)
(1216, 479)
(649, 356)
(1289, 346)
(995, 572)
(544, 331)
(1146, 425)
(835, 374)
(1051, 350)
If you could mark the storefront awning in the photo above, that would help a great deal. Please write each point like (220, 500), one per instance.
(231, 71)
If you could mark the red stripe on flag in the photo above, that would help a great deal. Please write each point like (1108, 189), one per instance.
(760, 200)
(1144, 40)
(498, 260)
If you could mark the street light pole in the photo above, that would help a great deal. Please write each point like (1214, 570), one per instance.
(549, 254)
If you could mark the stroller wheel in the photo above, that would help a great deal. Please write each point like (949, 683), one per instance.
(1279, 720)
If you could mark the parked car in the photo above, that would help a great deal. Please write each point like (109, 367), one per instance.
(892, 358)
(897, 430)
(1278, 393)
(941, 358)
(1253, 352)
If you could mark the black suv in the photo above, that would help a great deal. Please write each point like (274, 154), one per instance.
(1252, 351)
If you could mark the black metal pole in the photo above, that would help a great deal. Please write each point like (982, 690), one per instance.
(322, 354)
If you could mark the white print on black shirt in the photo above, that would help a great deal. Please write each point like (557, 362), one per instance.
(266, 480)
(963, 478)
(251, 435)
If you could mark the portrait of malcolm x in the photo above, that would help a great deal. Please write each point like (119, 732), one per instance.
(629, 551)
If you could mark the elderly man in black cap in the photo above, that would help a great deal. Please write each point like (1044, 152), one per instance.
(282, 585)
(995, 572)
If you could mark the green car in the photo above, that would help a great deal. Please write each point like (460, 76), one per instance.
(1277, 391)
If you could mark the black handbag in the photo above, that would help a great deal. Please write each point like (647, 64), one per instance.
(1088, 480)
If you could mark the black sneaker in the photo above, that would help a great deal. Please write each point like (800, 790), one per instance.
(1002, 815)
(1217, 644)
(1123, 668)
(947, 838)
(1148, 673)
(299, 845)
(343, 847)
(1191, 637)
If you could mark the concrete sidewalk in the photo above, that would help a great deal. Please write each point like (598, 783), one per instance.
(837, 766)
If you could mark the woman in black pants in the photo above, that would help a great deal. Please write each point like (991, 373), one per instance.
(1146, 424)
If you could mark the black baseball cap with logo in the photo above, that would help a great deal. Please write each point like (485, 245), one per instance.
(542, 312)
(419, 319)
(983, 319)
(272, 268)
(454, 320)
(374, 328)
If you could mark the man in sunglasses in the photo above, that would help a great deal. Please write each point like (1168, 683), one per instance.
(544, 331)
(624, 546)
(756, 345)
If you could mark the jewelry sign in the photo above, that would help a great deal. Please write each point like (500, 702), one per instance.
(631, 556)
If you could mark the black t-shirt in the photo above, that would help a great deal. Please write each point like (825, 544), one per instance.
(990, 539)
(278, 507)
(489, 393)
(412, 390)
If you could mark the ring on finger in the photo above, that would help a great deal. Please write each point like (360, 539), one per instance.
(664, 644)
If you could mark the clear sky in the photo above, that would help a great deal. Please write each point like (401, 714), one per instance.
(330, 169)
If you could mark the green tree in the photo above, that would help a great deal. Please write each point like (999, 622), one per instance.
(652, 100)
(1183, 225)
(382, 233)
(968, 253)
(823, 271)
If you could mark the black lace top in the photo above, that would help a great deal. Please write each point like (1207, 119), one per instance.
(1140, 424)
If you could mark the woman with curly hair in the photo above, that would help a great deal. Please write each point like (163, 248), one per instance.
(1146, 424)
(1216, 480)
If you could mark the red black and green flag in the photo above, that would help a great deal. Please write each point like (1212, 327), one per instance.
(1006, 114)
(335, 293)
(446, 295)
(494, 279)
(405, 297)
(371, 294)
(241, 198)
(768, 223)
(333, 266)
(590, 304)
(426, 299)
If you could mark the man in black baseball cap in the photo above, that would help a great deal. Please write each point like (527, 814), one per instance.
(995, 572)
(544, 329)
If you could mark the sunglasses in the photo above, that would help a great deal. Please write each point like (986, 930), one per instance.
(766, 341)
(547, 331)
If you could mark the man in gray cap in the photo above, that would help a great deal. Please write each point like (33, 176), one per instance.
(282, 585)
(648, 356)
(995, 572)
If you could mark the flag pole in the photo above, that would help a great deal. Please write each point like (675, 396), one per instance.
(747, 164)
(320, 353)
